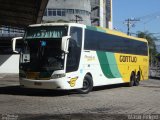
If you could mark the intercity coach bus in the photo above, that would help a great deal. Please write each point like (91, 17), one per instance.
(75, 56)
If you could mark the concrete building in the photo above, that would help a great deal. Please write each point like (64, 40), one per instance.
(68, 10)
(101, 13)
(89, 12)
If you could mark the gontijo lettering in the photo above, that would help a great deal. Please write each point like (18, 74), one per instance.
(128, 58)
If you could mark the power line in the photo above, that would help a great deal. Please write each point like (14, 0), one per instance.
(131, 22)
(149, 15)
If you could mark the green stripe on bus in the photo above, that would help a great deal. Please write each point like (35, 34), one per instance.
(100, 30)
(95, 29)
(104, 64)
(108, 64)
(91, 28)
(113, 65)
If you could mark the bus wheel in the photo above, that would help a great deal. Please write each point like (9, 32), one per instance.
(136, 82)
(132, 80)
(87, 85)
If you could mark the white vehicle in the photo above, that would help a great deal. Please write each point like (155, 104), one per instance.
(154, 70)
(75, 56)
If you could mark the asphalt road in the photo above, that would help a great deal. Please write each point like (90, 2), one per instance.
(109, 102)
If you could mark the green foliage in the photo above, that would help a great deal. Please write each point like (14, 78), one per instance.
(158, 56)
(151, 43)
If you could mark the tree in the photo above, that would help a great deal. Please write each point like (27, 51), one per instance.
(158, 56)
(151, 43)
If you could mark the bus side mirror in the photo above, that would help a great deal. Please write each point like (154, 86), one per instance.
(14, 40)
(65, 43)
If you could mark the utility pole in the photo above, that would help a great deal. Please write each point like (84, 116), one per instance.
(78, 18)
(130, 23)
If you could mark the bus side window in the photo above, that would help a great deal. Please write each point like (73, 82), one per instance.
(75, 44)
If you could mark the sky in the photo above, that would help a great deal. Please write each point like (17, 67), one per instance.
(147, 10)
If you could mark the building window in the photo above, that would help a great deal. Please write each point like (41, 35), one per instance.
(70, 11)
(77, 11)
(54, 12)
(62, 12)
(50, 12)
(59, 12)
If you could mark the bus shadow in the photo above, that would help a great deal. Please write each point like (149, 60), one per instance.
(155, 78)
(151, 86)
(17, 90)
(106, 87)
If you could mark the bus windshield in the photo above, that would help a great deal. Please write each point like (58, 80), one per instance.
(46, 32)
(42, 53)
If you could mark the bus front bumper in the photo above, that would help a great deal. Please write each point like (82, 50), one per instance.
(60, 84)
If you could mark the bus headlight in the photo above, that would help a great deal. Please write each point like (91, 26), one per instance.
(55, 76)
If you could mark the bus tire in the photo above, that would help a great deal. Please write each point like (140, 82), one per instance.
(132, 80)
(137, 80)
(87, 85)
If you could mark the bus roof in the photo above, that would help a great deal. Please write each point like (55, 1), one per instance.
(105, 30)
(57, 24)
(114, 32)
